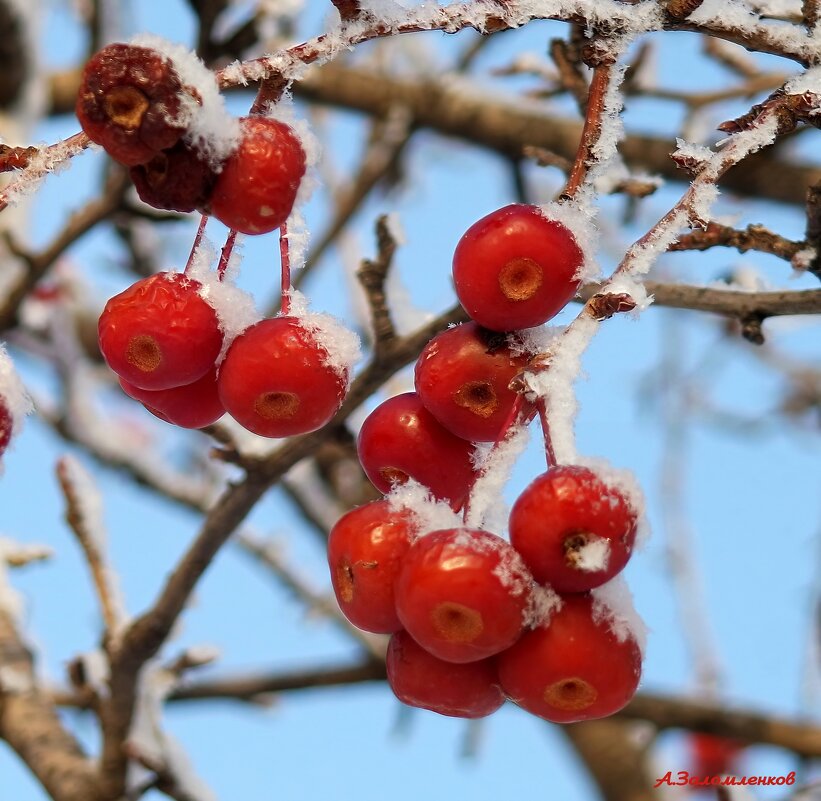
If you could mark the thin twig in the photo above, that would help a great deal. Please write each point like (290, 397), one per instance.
(372, 275)
(78, 517)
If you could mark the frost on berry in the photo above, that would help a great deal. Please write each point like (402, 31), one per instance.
(130, 102)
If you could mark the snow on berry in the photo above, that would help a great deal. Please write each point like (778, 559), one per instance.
(340, 344)
(210, 129)
(15, 403)
(431, 514)
(613, 605)
(485, 507)
(235, 308)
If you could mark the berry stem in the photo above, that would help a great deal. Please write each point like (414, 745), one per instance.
(285, 259)
(549, 454)
(225, 254)
(196, 246)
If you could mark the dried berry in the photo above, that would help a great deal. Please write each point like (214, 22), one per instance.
(132, 102)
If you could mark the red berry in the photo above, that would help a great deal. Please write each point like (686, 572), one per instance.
(462, 377)
(419, 679)
(401, 439)
(574, 531)
(189, 406)
(6, 426)
(276, 382)
(130, 102)
(516, 268)
(365, 550)
(159, 333)
(462, 594)
(257, 187)
(713, 755)
(573, 667)
(177, 179)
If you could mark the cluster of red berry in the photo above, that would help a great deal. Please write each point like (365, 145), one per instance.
(474, 618)
(134, 103)
(162, 336)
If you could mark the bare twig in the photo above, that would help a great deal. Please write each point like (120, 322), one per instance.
(30, 724)
(79, 517)
(372, 275)
(82, 221)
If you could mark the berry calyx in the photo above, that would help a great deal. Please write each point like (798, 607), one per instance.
(275, 380)
(573, 530)
(402, 439)
(177, 179)
(462, 378)
(131, 102)
(159, 333)
(193, 405)
(365, 550)
(462, 594)
(516, 268)
(573, 666)
(258, 184)
(419, 679)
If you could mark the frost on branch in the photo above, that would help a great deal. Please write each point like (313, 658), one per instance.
(485, 507)
(156, 750)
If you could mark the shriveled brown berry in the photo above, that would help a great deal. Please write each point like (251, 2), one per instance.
(176, 179)
(131, 101)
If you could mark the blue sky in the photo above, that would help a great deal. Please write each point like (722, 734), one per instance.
(751, 500)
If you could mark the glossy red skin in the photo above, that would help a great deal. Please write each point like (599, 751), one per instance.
(191, 406)
(402, 434)
(257, 187)
(365, 550)
(562, 502)
(713, 755)
(419, 679)
(152, 74)
(457, 566)
(459, 357)
(6, 426)
(167, 308)
(512, 232)
(571, 647)
(279, 356)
